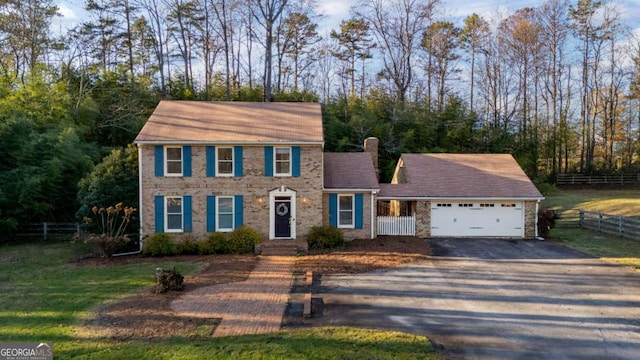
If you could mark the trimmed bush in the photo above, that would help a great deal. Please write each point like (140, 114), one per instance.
(216, 243)
(243, 240)
(188, 247)
(159, 244)
(324, 237)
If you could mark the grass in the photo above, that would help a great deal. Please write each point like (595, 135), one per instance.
(319, 343)
(46, 297)
(610, 248)
(614, 202)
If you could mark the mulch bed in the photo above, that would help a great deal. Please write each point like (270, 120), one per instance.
(147, 315)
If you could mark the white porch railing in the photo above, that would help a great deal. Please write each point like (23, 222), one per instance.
(397, 225)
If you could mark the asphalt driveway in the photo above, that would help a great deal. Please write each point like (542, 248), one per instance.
(498, 299)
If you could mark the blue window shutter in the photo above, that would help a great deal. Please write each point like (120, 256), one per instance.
(211, 161)
(238, 210)
(295, 159)
(186, 209)
(186, 161)
(268, 161)
(159, 211)
(333, 209)
(237, 161)
(211, 213)
(159, 161)
(359, 211)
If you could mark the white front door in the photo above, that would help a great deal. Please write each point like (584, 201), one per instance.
(475, 218)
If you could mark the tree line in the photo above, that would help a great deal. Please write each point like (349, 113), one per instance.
(556, 85)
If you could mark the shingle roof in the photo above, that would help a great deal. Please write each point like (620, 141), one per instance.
(463, 176)
(233, 122)
(349, 171)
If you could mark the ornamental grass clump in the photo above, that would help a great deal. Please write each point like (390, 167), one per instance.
(106, 229)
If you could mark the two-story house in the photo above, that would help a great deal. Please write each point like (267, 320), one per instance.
(215, 166)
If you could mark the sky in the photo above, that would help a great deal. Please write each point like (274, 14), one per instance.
(336, 10)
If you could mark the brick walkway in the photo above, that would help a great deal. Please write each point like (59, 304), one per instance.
(254, 306)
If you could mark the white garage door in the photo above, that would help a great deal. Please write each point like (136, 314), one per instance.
(470, 218)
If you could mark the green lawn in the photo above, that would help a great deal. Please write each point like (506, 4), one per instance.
(45, 297)
(610, 248)
(615, 202)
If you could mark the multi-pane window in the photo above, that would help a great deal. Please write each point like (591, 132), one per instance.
(283, 161)
(173, 163)
(224, 213)
(345, 211)
(225, 161)
(174, 214)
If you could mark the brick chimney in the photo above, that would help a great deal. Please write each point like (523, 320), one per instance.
(371, 146)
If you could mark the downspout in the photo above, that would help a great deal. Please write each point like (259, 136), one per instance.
(139, 205)
(373, 225)
(536, 222)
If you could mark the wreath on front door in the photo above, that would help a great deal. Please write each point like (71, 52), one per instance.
(282, 209)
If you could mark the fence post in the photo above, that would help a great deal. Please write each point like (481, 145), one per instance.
(599, 221)
(581, 218)
(44, 231)
(620, 227)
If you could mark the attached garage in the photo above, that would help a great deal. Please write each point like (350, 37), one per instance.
(463, 195)
(477, 218)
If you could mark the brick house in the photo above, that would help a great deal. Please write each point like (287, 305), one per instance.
(215, 166)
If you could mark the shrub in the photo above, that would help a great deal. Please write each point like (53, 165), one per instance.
(324, 237)
(188, 247)
(243, 240)
(216, 243)
(159, 244)
(169, 280)
(107, 228)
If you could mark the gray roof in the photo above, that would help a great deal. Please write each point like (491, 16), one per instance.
(349, 171)
(233, 122)
(462, 176)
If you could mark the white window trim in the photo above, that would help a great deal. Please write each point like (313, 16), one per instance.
(233, 213)
(218, 174)
(352, 225)
(275, 164)
(166, 214)
(166, 161)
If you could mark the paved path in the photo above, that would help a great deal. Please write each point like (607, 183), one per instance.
(494, 299)
(254, 306)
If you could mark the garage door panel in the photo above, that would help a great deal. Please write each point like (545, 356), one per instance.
(477, 219)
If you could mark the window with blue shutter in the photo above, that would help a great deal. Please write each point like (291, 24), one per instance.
(237, 161)
(159, 212)
(268, 161)
(359, 211)
(186, 156)
(333, 210)
(159, 161)
(211, 213)
(239, 211)
(187, 218)
(295, 158)
(211, 161)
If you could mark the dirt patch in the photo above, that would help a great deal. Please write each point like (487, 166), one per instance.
(148, 315)
(366, 255)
